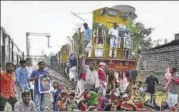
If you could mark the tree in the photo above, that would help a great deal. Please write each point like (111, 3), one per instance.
(156, 43)
(140, 36)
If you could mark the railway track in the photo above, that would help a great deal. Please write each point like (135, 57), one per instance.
(62, 79)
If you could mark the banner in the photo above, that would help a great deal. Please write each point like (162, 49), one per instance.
(44, 84)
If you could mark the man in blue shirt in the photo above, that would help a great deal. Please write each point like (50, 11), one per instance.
(22, 78)
(87, 34)
(39, 98)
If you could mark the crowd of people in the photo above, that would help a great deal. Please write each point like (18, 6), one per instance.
(20, 87)
(96, 90)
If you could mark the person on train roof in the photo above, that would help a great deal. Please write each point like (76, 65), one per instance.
(87, 34)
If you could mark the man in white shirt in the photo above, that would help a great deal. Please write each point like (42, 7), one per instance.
(92, 79)
(114, 41)
(30, 70)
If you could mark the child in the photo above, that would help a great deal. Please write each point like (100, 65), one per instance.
(55, 93)
(62, 103)
(71, 102)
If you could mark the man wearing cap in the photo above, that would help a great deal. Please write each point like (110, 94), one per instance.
(173, 88)
(102, 78)
(22, 78)
(114, 33)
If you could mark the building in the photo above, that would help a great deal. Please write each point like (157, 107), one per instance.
(158, 58)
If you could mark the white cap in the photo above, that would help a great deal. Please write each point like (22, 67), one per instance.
(122, 26)
(125, 95)
(102, 63)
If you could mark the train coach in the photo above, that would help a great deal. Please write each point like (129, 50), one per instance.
(9, 51)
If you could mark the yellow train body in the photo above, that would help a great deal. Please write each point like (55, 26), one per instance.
(108, 21)
(106, 17)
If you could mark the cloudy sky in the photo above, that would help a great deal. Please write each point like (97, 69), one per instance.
(54, 17)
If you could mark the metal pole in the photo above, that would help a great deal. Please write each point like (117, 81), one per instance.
(48, 39)
(27, 44)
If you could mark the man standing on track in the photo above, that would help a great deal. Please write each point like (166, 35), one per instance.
(22, 78)
(30, 70)
(39, 98)
(151, 82)
(7, 93)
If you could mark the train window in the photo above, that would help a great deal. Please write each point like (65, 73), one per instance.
(112, 12)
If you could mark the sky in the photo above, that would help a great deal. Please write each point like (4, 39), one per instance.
(54, 17)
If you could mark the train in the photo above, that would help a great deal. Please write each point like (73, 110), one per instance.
(103, 20)
(9, 51)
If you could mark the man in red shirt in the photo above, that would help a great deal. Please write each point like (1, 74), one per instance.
(102, 78)
(7, 91)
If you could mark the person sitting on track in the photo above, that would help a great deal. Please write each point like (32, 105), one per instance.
(26, 104)
(62, 103)
(71, 102)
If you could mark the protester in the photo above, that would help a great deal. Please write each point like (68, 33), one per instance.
(30, 70)
(92, 97)
(173, 84)
(54, 94)
(81, 84)
(87, 34)
(25, 105)
(151, 83)
(73, 68)
(39, 98)
(22, 78)
(92, 78)
(114, 41)
(62, 103)
(71, 102)
(102, 78)
(7, 93)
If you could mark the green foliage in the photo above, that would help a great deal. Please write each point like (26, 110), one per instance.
(140, 36)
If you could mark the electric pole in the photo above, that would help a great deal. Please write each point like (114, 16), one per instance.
(35, 34)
